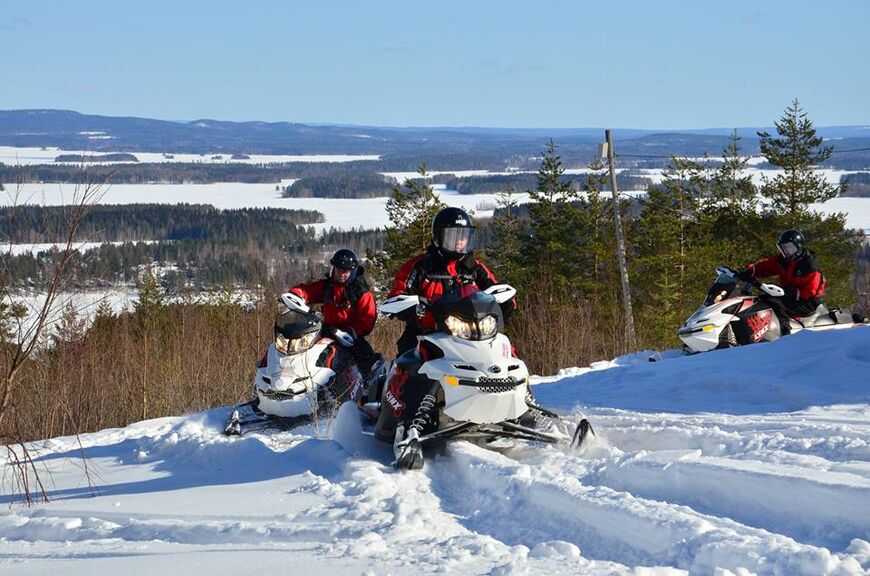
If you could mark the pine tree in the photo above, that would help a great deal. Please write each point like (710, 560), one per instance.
(796, 151)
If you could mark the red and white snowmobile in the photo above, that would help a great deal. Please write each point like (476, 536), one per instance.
(733, 317)
(473, 386)
(304, 370)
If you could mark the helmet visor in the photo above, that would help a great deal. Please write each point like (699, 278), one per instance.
(458, 240)
(787, 249)
(344, 264)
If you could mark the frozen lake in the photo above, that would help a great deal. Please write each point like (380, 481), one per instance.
(340, 213)
(26, 156)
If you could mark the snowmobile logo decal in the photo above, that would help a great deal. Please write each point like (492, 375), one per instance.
(760, 324)
(394, 391)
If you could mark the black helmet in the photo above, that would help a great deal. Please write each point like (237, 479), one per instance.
(791, 244)
(453, 233)
(345, 259)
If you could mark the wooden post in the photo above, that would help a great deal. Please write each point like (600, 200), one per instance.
(620, 249)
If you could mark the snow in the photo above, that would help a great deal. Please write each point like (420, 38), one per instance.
(23, 156)
(18, 249)
(85, 302)
(746, 461)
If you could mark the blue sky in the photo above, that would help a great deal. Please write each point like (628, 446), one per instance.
(664, 64)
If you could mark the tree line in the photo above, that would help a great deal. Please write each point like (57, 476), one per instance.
(133, 222)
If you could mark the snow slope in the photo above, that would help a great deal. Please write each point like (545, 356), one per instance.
(752, 460)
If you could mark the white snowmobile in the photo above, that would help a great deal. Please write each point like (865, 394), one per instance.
(304, 370)
(471, 383)
(732, 317)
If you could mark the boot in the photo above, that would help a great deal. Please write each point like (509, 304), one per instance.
(407, 449)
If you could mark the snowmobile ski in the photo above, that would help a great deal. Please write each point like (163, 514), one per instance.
(246, 417)
(582, 435)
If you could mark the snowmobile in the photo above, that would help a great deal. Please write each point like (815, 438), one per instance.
(304, 371)
(735, 317)
(475, 387)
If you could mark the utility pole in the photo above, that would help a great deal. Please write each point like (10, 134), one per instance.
(620, 249)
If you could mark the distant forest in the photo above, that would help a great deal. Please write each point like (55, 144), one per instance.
(132, 222)
(857, 185)
(349, 185)
(194, 245)
(96, 158)
(522, 182)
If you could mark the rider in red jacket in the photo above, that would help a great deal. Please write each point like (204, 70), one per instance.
(799, 276)
(448, 264)
(348, 305)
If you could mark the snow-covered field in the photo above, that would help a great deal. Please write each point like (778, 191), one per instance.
(736, 462)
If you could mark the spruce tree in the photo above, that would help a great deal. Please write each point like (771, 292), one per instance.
(507, 230)
(150, 308)
(601, 280)
(731, 209)
(410, 208)
(71, 327)
(553, 252)
(796, 151)
(672, 253)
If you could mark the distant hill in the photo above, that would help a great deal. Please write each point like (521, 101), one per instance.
(454, 146)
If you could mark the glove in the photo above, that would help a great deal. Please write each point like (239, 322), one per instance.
(745, 275)
(344, 339)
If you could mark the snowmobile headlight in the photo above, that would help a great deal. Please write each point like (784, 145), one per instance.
(281, 343)
(294, 345)
(459, 327)
(488, 327)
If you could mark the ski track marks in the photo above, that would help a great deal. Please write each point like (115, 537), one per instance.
(800, 477)
(546, 497)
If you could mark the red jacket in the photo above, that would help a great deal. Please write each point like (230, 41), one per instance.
(337, 310)
(801, 273)
(412, 278)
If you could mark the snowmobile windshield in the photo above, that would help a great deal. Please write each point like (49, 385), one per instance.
(293, 325)
(722, 289)
(458, 240)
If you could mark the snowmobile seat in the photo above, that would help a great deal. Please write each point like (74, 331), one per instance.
(822, 316)
(819, 317)
(843, 316)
